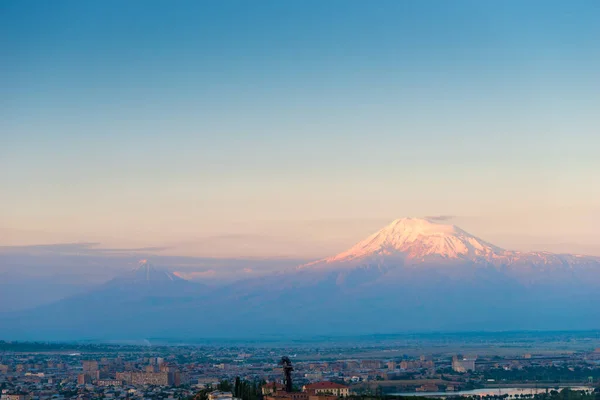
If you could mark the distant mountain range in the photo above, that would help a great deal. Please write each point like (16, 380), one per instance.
(412, 275)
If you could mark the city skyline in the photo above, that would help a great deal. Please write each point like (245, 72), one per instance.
(295, 129)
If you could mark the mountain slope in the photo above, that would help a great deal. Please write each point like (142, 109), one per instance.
(146, 273)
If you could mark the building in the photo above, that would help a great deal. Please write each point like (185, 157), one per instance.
(370, 364)
(427, 388)
(109, 382)
(352, 365)
(180, 378)
(288, 396)
(218, 395)
(388, 376)
(272, 388)
(391, 365)
(314, 376)
(83, 379)
(204, 381)
(147, 378)
(326, 387)
(7, 396)
(90, 366)
(463, 364)
(416, 364)
(152, 368)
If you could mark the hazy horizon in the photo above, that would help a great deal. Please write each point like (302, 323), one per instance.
(324, 238)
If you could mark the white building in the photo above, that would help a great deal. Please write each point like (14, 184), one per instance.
(218, 395)
(463, 364)
(327, 388)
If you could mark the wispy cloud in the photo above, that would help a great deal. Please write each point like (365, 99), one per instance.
(192, 275)
(441, 217)
(90, 248)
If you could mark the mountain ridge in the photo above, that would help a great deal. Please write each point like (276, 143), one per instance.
(413, 275)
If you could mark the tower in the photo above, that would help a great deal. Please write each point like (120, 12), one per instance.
(287, 373)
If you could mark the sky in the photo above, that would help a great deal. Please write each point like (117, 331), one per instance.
(296, 128)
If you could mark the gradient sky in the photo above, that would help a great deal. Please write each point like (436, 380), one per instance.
(232, 128)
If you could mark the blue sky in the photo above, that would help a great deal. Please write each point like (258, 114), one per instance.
(145, 123)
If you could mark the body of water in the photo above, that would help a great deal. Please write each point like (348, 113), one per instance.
(511, 391)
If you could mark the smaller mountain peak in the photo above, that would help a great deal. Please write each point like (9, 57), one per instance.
(147, 272)
(144, 266)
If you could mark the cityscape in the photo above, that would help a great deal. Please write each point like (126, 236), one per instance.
(515, 366)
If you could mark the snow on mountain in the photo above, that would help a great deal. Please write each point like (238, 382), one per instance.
(418, 240)
(149, 274)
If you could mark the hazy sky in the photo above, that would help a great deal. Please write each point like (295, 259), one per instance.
(231, 128)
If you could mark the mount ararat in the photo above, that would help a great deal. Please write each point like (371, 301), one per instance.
(412, 275)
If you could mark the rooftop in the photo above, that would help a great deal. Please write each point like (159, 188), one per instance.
(325, 385)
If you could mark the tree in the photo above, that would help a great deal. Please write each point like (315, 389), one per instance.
(224, 386)
(203, 394)
(237, 388)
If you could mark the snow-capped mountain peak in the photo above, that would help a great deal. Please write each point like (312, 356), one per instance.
(418, 239)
